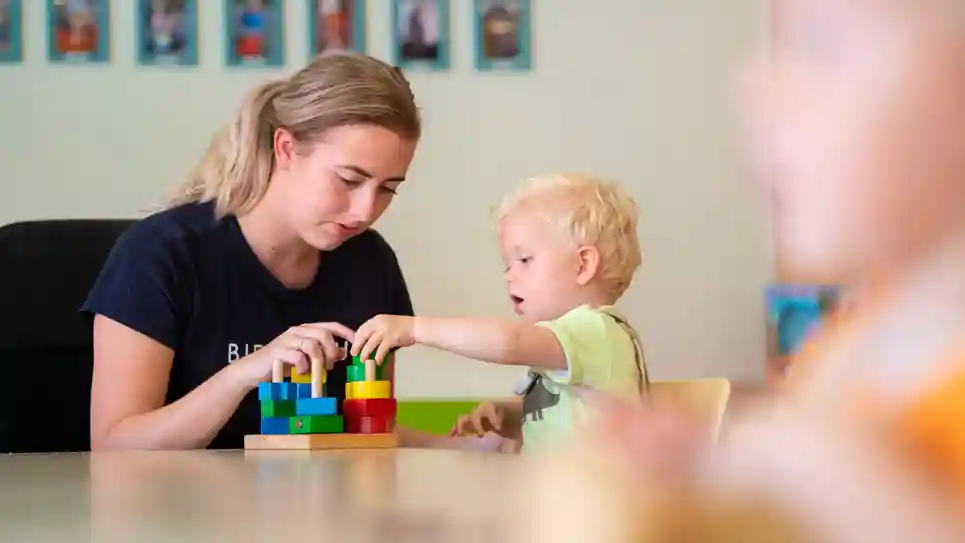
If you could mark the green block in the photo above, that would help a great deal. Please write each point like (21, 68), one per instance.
(434, 416)
(357, 373)
(315, 424)
(356, 361)
(277, 408)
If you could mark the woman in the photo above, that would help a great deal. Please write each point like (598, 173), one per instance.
(196, 302)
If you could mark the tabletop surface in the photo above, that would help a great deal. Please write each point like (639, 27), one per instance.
(343, 496)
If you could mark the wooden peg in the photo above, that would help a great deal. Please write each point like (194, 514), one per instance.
(278, 372)
(370, 370)
(318, 377)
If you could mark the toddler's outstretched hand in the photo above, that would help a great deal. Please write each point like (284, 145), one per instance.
(381, 334)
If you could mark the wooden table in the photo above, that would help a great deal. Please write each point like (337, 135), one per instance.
(337, 496)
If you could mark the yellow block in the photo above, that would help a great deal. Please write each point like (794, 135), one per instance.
(306, 378)
(365, 390)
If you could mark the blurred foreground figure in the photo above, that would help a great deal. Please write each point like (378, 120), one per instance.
(856, 123)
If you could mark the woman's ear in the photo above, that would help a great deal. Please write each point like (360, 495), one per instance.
(589, 258)
(283, 147)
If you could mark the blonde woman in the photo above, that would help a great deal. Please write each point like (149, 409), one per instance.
(272, 231)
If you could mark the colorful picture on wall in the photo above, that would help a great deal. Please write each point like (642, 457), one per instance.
(167, 32)
(11, 31)
(420, 34)
(78, 31)
(795, 313)
(503, 31)
(255, 32)
(336, 25)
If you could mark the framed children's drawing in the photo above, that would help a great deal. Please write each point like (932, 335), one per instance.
(11, 31)
(78, 31)
(420, 34)
(255, 33)
(336, 25)
(794, 314)
(503, 35)
(167, 32)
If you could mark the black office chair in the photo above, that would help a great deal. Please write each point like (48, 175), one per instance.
(46, 353)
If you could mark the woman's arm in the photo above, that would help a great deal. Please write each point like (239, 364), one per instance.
(130, 383)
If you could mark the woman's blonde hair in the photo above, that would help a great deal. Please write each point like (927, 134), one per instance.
(335, 89)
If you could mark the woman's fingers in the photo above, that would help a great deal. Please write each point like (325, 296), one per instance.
(295, 358)
(333, 328)
(323, 338)
(310, 346)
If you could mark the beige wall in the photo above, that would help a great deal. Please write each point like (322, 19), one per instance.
(638, 92)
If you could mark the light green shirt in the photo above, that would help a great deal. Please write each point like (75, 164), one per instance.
(600, 355)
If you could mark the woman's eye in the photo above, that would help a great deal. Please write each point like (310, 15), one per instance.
(526, 259)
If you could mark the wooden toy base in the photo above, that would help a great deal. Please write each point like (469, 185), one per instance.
(321, 441)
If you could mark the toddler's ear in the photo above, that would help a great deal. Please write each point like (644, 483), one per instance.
(589, 264)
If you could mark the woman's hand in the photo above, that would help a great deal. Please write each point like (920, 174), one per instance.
(300, 346)
(381, 334)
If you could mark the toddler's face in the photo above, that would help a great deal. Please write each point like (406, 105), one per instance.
(541, 267)
(858, 124)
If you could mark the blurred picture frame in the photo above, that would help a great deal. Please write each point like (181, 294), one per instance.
(336, 25)
(795, 312)
(78, 31)
(421, 34)
(167, 32)
(503, 35)
(254, 33)
(11, 31)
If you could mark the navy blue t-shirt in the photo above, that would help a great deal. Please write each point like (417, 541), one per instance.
(192, 283)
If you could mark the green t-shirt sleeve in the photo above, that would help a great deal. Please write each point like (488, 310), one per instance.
(583, 335)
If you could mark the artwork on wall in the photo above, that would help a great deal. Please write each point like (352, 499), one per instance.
(794, 313)
(167, 32)
(78, 31)
(503, 34)
(11, 31)
(420, 34)
(254, 32)
(336, 25)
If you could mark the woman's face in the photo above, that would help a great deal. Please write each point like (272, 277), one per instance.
(858, 120)
(339, 187)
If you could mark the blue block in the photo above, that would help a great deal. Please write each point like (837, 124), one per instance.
(316, 406)
(274, 426)
(303, 390)
(277, 391)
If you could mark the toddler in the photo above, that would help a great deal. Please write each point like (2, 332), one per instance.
(569, 243)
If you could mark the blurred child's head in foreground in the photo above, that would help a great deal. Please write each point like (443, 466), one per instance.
(567, 240)
(857, 117)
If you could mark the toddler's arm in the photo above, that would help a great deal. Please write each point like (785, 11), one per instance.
(492, 340)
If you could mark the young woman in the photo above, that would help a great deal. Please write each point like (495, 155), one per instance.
(266, 253)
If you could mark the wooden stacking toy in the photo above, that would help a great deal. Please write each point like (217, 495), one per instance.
(296, 414)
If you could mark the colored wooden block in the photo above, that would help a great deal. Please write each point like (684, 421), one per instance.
(302, 442)
(305, 378)
(315, 424)
(303, 390)
(355, 373)
(370, 425)
(277, 408)
(316, 406)
(276, 391)
(368, 389)
(274, 425)
(357, 361)
(371, 407)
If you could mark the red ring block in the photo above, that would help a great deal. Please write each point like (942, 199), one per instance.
(371, 407)
(369, 425)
